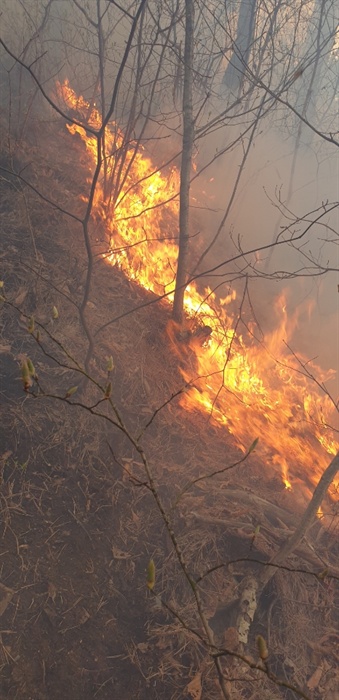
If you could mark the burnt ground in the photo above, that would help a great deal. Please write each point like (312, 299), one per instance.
(78, 521)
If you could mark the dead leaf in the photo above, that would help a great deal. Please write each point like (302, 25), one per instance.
(51, 615)
(52, 591)
(4, 349)
(135, 517)
(146, 386)
(82, 616)
(313, 682)
(194, 688)
(20, 297)
(231, 639)
(118, 554)
(6, 595)
(162, 643)
(5, 456)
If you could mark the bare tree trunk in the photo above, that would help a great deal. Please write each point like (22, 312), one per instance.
(255, 588)
(306, 520)
(101, 56)
(234, 73)
(186, 164)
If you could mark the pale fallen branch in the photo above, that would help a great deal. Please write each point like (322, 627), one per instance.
(306, 522)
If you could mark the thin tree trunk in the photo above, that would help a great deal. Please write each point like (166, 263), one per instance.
(306, 521)
(235, 71)
(257, 587)
(101, 46)
(186, 165)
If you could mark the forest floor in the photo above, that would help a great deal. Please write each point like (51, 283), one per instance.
(78, 525)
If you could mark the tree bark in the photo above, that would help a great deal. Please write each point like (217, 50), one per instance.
(234, 73)
(186, 165)
(306, 520)
(257, 588)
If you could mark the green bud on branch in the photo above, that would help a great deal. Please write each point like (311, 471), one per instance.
(323, 574)
(25, 375)
(150, 574)
(31, 368)
(262, 647)
(110, 364)
(71, 391)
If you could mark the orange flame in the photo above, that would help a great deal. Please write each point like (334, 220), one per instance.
(251, 389)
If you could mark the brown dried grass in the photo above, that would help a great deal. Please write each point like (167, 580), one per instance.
(211, 526)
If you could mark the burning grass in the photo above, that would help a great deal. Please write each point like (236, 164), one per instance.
(78, 527)
(254, 389)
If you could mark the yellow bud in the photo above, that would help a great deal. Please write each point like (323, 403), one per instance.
(150, 574)
(71, 391)
(110, 363)
(55, 312)
(25, 374)
(31, 367)
(30, 326)
(323, 574)
(262, 647)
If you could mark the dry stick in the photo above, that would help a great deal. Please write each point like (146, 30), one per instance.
(257, 586)
(309, 375)
(101, 57)
(44, 199)
(204, 477)
(186, 165)
(172, 160)
(249, 560)
(99, 137)
(306, 520)
(327, 137)
(152, 487)
(118, 423)
(235, 188)
(230, 347)
(116, 181)
(29, 222)
(234, 258)
(30, 225)
(182, 563)
(291, 544)
(43, 92)
(263, 668)
(122, 180)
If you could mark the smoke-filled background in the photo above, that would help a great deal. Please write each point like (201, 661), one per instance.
(265, 120)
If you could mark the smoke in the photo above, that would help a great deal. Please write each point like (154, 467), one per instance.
(283, 184)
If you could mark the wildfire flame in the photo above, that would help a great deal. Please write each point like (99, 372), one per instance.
(252, 389)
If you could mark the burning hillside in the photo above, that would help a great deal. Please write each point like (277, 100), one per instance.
(253, 389)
